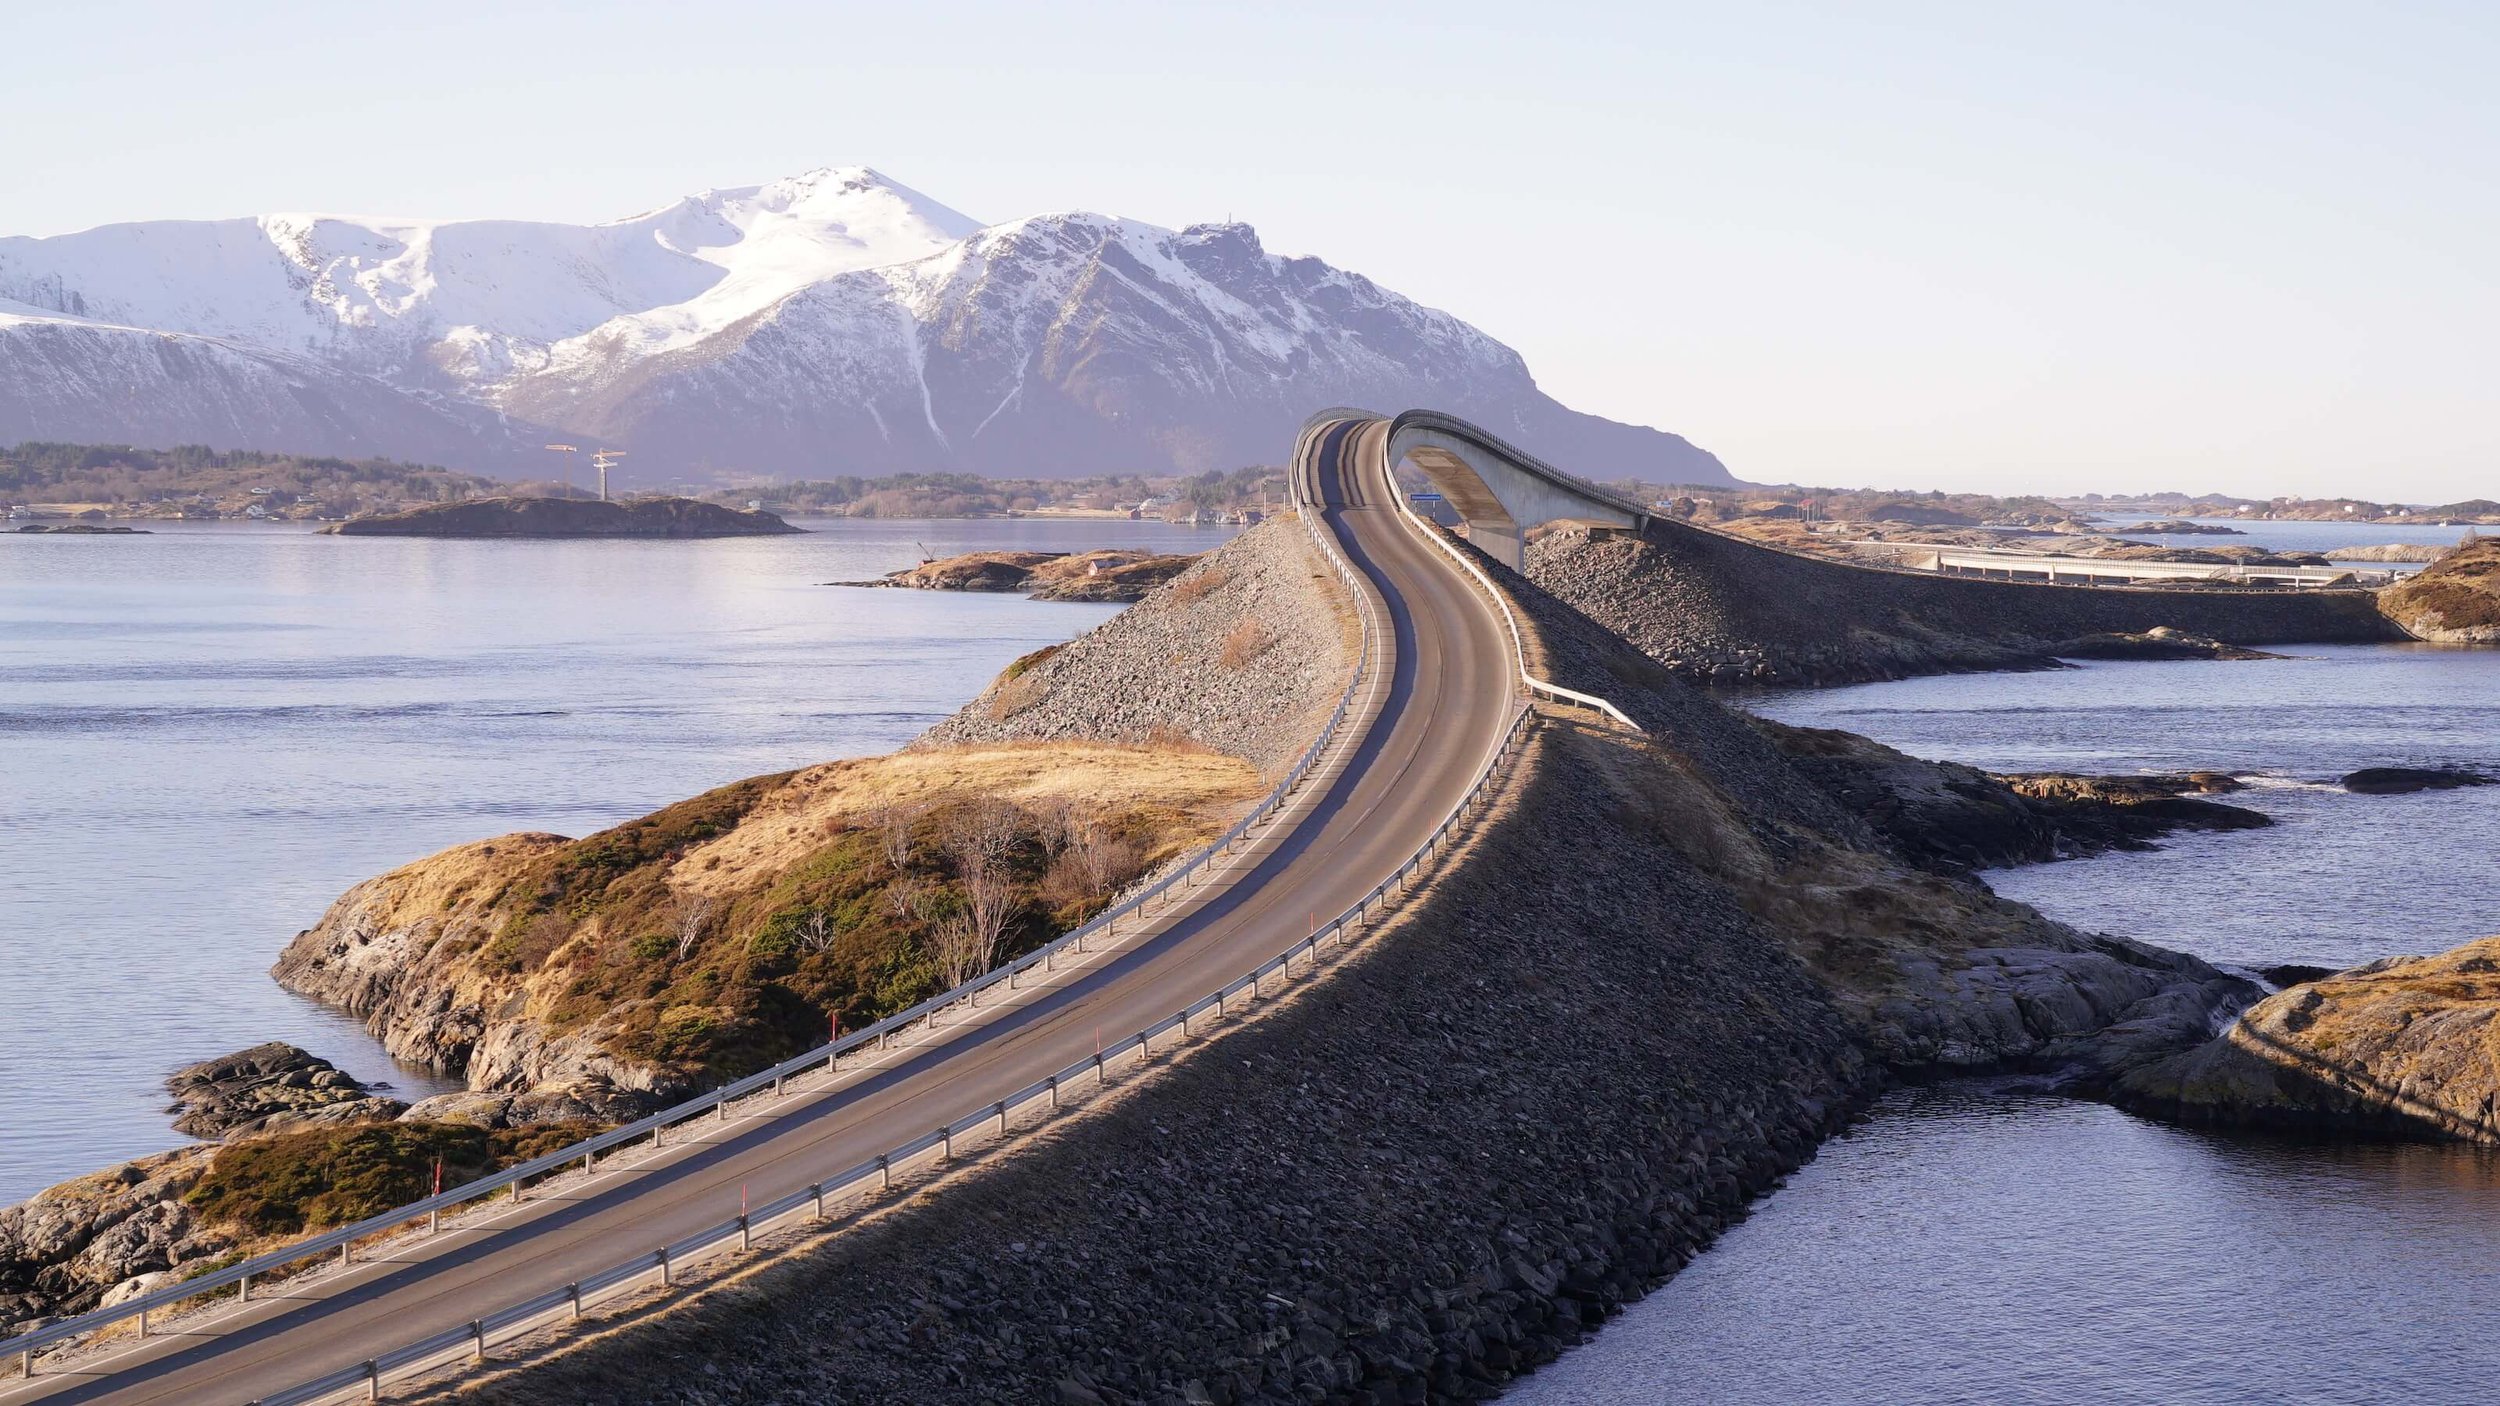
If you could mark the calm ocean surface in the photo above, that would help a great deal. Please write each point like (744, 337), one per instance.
(207, 734)
(2288, 536)
(1967, 1245)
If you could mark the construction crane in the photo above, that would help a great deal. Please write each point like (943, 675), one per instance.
(568, 465)
(604, 460)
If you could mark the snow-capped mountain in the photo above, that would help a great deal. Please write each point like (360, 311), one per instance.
(835, 322)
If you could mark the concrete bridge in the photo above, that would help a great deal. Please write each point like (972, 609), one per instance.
(1499, 491)
(2102, 571)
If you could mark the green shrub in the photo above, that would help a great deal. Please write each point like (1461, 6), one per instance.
(292, 1182)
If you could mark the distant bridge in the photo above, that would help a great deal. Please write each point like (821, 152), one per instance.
(2105, 571)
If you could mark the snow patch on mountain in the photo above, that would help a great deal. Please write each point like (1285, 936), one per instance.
(835, 321)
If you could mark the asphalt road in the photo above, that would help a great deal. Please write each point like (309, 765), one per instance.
(1427, 726)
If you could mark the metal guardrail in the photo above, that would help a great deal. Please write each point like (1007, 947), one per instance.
(877, 1173)
(239, 1276)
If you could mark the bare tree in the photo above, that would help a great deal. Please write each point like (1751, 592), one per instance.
(694, 918)
(980, 838)
(982, 834)
(893, 824)
(1088, 860)
(816, 931)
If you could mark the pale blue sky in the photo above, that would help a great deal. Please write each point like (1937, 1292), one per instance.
(2244, 247)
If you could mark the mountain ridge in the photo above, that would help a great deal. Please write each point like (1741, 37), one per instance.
(835, 321)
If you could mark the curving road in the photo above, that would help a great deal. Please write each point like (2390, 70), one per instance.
(1424, 728)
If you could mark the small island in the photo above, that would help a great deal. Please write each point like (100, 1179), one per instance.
(2454, 600)
(2180, 527)
(674, 518)
(1112, 574)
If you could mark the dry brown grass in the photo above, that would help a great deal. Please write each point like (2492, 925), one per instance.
(1198, 585)
(796, 818)
(1247, 640)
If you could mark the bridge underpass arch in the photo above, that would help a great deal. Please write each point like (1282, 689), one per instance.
(1498, 490)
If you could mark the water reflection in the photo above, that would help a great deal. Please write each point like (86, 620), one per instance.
(1969, 1245)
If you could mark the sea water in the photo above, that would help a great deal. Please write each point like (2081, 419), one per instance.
(209, 732)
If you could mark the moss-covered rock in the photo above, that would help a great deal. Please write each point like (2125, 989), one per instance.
(2404, 1047)
(2454, 600)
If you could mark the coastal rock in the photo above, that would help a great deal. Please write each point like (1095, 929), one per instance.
(972, 571)
(2160, 642)
(1957, 819)
(2454, 600)
(567, 517)
(2405, 1047)
(65, 1248)
(539, 1107)
(269, 1086)
(1107, 574)
(2389, 552)
(2404, 780)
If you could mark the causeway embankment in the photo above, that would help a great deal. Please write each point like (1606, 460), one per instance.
(1719, 609)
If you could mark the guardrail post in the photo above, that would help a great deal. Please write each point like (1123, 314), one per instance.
(434, 1221)
(143, 1322)
(588, 1160)
(343, 1260)
(778, 1082)
(26, 1364)
(723, 1105)
(243, 1289)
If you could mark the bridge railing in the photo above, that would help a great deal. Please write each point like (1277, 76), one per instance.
(660, 1264)
(772, 1081)
(1501, 601)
